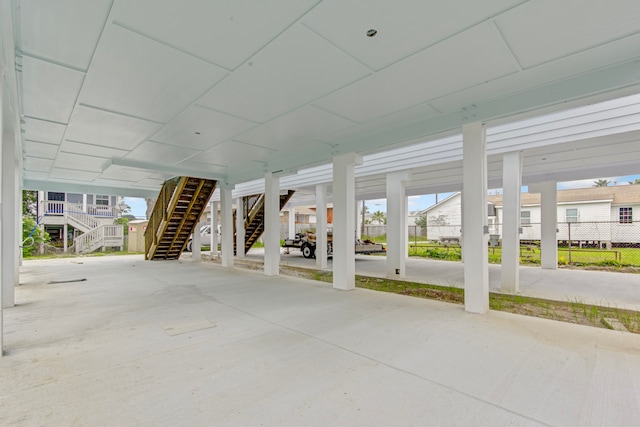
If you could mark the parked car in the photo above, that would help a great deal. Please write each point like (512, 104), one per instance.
(205, 237)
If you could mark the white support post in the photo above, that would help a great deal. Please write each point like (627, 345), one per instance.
(84, 203)
(227, 226)
(511, 184)
(196, 244)
(240, 231)
(397, 224)
(10, 219)
(65, 238)
(359, 207)
(271, 225)
(344, 266)
(549, 223)
(292, 223)
(2, 231)
(474, 219)
(321, 226)
(213, 244)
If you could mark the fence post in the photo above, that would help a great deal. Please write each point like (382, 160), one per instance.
(569, 232)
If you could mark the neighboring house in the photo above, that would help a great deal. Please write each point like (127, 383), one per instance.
(86, 220)
(598, 215)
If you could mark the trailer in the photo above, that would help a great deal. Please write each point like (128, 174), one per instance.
(307, 244)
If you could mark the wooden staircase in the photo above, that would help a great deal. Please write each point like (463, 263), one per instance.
(175, 215)
(253, 211)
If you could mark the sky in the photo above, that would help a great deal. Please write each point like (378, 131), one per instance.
(416, 203)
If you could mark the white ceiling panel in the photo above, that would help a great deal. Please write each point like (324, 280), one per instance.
(158, 152)
(201, 128)
(296, 68)
(37, 164)
(99, 127)
(432, 73)
(205, 28)
(301, 125)
(50, 90)
(73, 175)
(619, 51)
(93, 150)
(541, 31)
(228, 153)
(124, 173)
(197, 166)
(134, 75)
(40, 149)
(65, 31)
(43, 131)
(404, 26)
(80, 162)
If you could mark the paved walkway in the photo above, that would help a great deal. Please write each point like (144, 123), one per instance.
(621, 290)
(143, 343)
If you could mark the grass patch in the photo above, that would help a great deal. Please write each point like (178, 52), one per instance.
(574, 311)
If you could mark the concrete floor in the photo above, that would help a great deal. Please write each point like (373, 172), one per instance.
(182, 343)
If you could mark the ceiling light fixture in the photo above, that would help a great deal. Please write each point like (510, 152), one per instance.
(372, 32)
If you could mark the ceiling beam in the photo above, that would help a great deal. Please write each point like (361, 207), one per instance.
(69, 187)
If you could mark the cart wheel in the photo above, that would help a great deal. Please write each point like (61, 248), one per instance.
(307, 251)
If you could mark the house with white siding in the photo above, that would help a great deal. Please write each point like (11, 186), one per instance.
(84, 221)
(590, 216)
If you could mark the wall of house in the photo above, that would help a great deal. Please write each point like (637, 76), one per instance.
(445, 219)
(626, 233)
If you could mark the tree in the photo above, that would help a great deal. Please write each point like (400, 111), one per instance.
(29, 203)
(379, 217)
(32, 235)
(601, 183)
(421, 221)
(637, 181)
(151, 202)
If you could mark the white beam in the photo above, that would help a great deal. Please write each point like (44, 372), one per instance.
(474, 218)
(214, 230)
(196, 244)
(271, 225)
(396, 224)
(10, 219)
(292, 223)
(227, 226)
(321, 226)
(240, 231)
(344, 266)
(512, 182)
(549, 223)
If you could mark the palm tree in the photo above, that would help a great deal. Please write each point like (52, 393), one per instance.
(379, 217)
(601, 183)
(637, 181)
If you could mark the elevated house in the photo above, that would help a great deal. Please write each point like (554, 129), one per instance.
(601, 216)
(82, 223)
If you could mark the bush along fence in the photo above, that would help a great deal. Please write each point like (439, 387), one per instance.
(579, 243)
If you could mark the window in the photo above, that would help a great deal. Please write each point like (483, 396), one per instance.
(102, 200)
(525, 217)
(571, 215)
(626, 215)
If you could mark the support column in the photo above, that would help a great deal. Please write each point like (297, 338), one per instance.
(240, 231)
(196, 244)
(10, 219)
(227, 226)
(3, 297)
(292, 223)
(213, 244)
(549, 223)
(396, 224)
(321, 226)
(271, 225)
(511, 184)
(65, 238)
(84, 203)
(474, 219)
(344, 266)
(359, 208)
